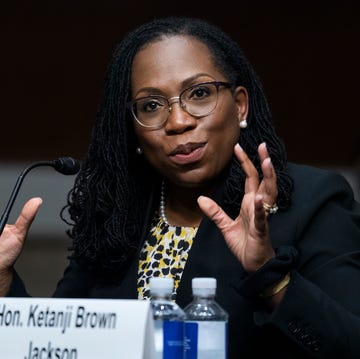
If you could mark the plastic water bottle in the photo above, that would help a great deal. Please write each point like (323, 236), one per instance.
(168, 320)
(206, 323)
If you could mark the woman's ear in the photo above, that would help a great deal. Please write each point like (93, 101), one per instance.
(242, 102)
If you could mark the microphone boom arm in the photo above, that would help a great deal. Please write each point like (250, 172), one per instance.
(65, 165)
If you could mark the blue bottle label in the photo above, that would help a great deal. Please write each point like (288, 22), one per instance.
(173, 345)
(191, 340)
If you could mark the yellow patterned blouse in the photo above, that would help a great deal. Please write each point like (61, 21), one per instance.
(164, 254)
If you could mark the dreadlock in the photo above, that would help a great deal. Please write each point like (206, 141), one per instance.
(108, 201)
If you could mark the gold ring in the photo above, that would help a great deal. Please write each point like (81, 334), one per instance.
(270, 209)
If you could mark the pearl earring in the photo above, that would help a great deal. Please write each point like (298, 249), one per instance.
(243, 123)
(138, 151)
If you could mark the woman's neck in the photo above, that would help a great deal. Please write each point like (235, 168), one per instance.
(181, 207)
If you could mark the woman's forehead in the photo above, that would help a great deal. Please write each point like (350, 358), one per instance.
(172, 59)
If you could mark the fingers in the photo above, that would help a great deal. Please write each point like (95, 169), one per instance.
(252, 176)
(27, 215)
(260, 215)
(268, 187)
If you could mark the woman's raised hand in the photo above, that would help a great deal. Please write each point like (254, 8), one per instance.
(248, 235)
(12, 241)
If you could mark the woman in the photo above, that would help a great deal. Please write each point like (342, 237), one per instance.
(185, 176)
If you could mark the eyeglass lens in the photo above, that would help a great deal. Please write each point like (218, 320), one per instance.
(198, 100)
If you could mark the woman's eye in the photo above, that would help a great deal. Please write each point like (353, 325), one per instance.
(199, 93)
(150, 106)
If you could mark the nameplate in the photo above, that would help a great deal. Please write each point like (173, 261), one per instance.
(37, 328)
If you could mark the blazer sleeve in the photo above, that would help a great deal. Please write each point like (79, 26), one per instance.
(17, 287)
(75, 283)
(320, 310)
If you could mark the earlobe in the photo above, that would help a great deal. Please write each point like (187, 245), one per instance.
(242, 102)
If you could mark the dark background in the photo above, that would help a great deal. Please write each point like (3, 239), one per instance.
(54, 55)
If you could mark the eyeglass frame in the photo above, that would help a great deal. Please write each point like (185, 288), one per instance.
(174, 99)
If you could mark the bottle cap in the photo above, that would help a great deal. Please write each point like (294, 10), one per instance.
(161, 285)
(203, 286)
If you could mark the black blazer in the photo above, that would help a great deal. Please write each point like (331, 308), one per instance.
(319, 315)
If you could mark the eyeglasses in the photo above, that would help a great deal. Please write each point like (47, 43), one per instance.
(198, 100)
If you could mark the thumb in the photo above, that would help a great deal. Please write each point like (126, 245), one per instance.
(211, 209)
(28, 214)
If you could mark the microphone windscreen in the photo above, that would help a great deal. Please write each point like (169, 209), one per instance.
(67, 165)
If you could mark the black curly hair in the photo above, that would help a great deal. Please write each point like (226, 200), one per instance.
(108, 201)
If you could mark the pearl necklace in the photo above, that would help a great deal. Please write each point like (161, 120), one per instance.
(162, 204)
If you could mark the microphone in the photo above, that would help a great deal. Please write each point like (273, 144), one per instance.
(64, 165)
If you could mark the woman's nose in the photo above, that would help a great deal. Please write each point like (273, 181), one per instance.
(178, 119)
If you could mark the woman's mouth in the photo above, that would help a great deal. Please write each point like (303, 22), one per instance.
(188, 153)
